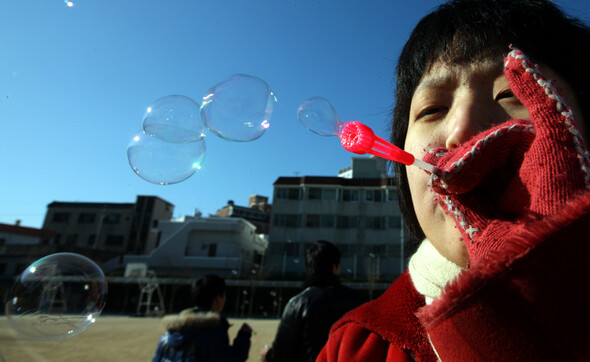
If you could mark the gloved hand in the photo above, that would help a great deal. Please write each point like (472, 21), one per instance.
(516, 172)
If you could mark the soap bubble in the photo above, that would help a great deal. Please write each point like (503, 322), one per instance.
(162, 162)
(174, 118)
(56, 297)
(318, 115)
(239, 108)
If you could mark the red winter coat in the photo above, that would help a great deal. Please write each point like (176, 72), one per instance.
(527, 303)
(385, 329)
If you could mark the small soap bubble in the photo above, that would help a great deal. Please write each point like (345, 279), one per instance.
(239, 108)
(174, 118)
(162, 162)
(234, 272)
(56, 297)
(296, 261)
(319, 116)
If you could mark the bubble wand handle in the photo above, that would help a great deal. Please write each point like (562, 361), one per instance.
(358, 138)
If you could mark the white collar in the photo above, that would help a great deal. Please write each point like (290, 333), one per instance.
(430, 271)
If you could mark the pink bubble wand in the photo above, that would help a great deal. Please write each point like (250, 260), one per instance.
(360, 139)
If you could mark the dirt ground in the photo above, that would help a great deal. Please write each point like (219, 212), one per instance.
(114, 339)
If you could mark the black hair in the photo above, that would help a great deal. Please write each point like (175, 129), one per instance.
(465, 31)
(321, 257)
(206, 289)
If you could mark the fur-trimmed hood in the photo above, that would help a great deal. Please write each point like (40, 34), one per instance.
(184, 327)
(191, 319)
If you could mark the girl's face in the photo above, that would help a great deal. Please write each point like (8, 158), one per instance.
(451, 104)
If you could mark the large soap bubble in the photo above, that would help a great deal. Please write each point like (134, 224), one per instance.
(174, 118)
(162, 162)
(239, 108)
(319, 116)
(56, 297)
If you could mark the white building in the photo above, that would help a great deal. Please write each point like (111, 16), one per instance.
(199, 245)
(358, 214)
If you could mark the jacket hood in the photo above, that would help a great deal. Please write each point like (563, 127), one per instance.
(190, 319)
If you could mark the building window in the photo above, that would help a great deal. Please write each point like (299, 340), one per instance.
(289, 249)
(2, 241)
(328, 221)
(212, 250)
(61, 217)
(329, 194)
(392, 195)
(2, 268)
(347, 222)
(114, 240)
(112, 219)
(312, 221)
(314, 193)
(71, 239)
(290, 193)
(91, 240)
(318, 193)
(375, 223)
(350, 195)
(394, 222)
(349, 249)
(374, 195)
(86, 218)
(376, 250)
(286, 220)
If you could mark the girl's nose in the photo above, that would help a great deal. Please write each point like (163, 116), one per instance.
(466, 121)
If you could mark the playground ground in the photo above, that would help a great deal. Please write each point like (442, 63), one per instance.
(112, 339)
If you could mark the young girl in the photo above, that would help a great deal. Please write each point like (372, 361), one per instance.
(493, 93)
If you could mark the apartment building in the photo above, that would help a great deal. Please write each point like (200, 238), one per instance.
(358, 214)
(124, 228)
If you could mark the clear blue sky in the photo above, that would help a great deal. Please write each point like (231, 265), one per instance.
(75, 82)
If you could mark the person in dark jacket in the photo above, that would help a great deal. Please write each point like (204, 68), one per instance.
(200, 333)
(308, 316)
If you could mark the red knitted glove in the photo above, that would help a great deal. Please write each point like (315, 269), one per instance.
(516, 172)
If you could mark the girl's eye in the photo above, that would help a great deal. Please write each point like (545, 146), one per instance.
(505, 94)
(431, 111)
